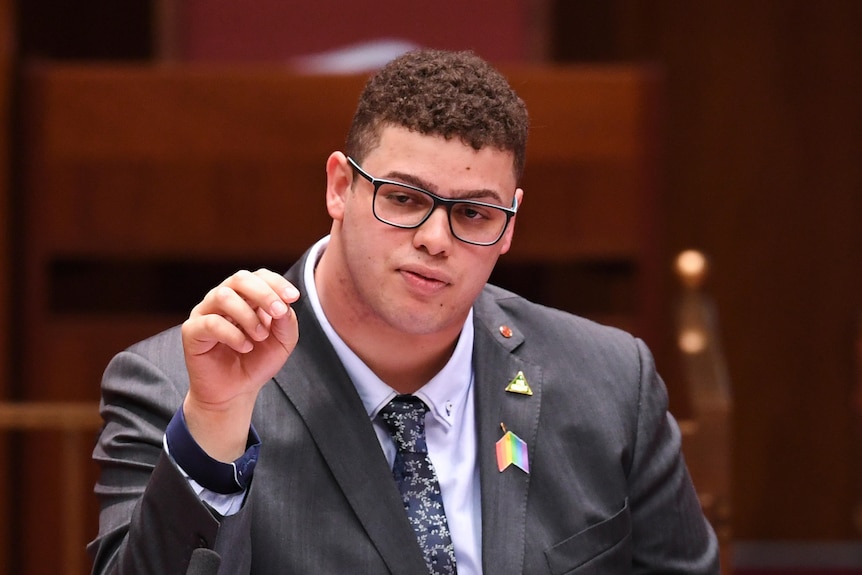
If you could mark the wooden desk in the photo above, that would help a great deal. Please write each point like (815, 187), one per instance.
(73, 422)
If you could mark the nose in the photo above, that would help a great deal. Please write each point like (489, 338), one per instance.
(434, 234)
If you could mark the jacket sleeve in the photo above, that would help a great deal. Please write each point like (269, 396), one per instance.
(150, 519)
(669, 530)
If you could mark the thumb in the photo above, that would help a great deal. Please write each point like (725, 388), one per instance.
(286, 330)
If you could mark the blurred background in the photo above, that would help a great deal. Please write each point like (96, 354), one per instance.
(752, 154)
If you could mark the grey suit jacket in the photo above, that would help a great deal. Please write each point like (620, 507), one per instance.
(607, 492)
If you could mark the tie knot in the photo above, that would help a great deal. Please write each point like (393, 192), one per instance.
(404, 416)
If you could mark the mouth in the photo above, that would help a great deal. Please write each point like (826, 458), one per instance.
(424, 279)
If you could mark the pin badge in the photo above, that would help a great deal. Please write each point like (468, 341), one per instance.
(512, 450)
(519, 385)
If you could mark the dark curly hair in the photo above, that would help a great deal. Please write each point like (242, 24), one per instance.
(441, 93)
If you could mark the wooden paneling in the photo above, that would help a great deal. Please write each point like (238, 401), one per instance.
(763, 169)
(141, 182)
(773, 191)
(6, 58)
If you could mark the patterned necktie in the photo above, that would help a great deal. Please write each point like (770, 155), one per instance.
(414, 474)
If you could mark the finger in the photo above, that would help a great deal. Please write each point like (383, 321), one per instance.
(286, 330)
(227, 303)
(279, 308)
(202, 333)
(283, 326)
(264, 289)
(264, 318)
(285, 290)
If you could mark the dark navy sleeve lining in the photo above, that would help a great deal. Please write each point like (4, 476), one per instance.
(214, 475)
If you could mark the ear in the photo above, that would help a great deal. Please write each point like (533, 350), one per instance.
(339, 178)
(506, 240)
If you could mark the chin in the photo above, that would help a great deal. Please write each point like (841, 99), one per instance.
(420, 322)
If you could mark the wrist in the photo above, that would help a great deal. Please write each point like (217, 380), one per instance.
(220, 430)
(218, 476)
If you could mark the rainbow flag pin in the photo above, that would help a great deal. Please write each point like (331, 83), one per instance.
(512, 450)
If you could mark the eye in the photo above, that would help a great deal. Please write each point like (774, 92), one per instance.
(400, 197)
(472, 212)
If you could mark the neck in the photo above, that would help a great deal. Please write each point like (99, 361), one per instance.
(402, 370)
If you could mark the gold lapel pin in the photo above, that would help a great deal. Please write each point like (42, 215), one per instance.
(519, 385)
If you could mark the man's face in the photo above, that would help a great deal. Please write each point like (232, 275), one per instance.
(421, 280)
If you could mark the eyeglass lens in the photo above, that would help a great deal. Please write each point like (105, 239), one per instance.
(470, 221)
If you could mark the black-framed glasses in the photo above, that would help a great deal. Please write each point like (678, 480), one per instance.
(405, 206)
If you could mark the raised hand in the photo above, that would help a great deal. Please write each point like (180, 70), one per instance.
(234, 341)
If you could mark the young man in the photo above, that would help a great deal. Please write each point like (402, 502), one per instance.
(549, 445)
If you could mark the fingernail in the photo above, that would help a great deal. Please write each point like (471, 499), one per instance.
(278, 308)
(290, 292)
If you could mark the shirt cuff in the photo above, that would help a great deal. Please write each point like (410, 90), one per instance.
(208, 472)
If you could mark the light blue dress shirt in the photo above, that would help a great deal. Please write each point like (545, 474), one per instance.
(450, 425)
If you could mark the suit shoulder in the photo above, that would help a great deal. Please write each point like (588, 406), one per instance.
(158, 358)
(497, 305)
(559, 341)
(166, 346)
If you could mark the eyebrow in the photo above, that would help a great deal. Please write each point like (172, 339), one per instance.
(480, 194)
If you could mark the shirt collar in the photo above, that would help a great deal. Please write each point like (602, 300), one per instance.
(445, 394)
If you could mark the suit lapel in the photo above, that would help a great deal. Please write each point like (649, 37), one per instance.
(504, 494)
(321, 391)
